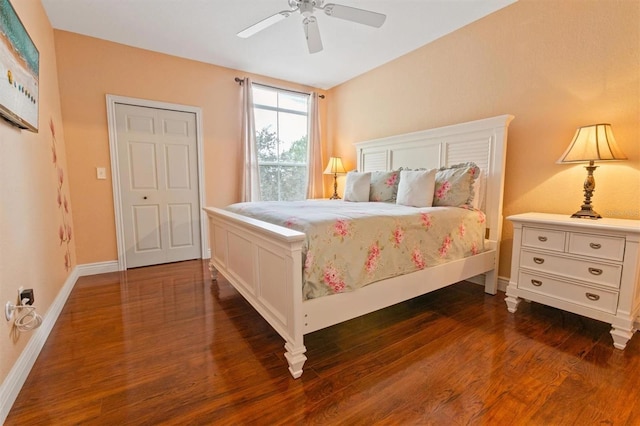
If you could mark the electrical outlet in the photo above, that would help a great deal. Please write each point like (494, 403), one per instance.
(28, 295)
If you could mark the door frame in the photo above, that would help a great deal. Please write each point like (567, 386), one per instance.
(112, 100)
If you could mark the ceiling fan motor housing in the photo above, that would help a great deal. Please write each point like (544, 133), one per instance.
(305, 6)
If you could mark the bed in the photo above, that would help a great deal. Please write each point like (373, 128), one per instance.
(264, 261)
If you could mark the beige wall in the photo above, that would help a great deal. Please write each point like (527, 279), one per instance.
(31, 254)
(89, 69)
(555, 65)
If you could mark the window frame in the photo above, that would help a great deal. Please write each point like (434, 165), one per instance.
(278, 110)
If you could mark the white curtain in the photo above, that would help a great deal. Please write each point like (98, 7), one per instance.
(315, 179)
(251, 172)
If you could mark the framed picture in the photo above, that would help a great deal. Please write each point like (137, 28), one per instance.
(19, 71)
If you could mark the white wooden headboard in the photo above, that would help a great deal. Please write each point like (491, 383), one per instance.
(482, 141)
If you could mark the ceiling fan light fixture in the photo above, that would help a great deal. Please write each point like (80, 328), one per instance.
(306, 7)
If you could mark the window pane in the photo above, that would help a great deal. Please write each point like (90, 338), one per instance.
(293, 101)
(293, 137)
(269, 183)
(293, 183)
(266, 122)
(265, 96)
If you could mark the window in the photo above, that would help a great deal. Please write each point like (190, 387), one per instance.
(281, 141)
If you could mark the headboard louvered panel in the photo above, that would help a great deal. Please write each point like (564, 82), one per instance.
(374, 160)
(477, 151)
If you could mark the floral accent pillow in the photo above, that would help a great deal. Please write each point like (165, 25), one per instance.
(384, 186)
(455, 185)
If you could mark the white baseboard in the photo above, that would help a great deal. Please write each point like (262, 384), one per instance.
(502, 284)
(97, 268)
(479, 279)
(12, 384)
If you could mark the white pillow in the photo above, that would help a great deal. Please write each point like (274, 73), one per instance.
(357, 186)
(416, 188)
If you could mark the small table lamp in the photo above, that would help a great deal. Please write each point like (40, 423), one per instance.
(334, 168)
(591, 143)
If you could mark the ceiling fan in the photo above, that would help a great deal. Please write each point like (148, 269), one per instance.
(311, 31)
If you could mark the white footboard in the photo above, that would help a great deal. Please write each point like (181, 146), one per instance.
(264, 263)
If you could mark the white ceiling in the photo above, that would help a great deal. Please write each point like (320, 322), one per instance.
(205, 30)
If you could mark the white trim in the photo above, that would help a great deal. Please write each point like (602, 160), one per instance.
(97, 268)
(502, 282)
(18, 374)
(112, 100)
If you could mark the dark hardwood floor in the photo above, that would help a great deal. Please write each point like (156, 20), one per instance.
(165, 345)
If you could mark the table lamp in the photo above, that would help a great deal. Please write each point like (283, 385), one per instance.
(591, 143)
(334, 168)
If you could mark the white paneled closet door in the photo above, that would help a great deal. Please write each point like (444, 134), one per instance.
(157, 162)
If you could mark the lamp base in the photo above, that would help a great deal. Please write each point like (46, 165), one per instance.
(586, 214)
(335, 195)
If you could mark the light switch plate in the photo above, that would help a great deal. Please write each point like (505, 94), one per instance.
(101, 172)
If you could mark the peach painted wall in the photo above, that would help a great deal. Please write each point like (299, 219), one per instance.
(91, 68)
(555, 65)
(31, 253)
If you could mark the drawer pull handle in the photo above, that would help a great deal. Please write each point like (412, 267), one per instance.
(538, 260)
(595, 271)
(537, 283)
(595, 246)
(541, 238)
(592, 296)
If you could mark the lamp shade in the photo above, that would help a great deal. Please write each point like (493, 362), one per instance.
(335, 166)
(592, 143)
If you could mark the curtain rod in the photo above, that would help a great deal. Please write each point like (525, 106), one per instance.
(240, 81)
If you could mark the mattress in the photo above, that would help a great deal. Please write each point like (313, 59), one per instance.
(350, 245)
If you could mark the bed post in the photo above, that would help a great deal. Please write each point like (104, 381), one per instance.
(263, 262)
(495, 194)
(294, 345)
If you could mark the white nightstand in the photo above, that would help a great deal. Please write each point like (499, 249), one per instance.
(588, 267)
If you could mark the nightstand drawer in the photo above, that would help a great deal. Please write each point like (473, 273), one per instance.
(600, 246)
(543, 238)
(582, 269)
(602, 300)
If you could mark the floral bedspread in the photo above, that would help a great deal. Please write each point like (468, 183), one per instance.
(349, 245)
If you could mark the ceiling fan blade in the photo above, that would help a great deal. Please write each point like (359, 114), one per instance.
(353, 14)
(267, 22)
(312, 33)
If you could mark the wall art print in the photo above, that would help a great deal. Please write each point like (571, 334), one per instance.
(19, 71)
